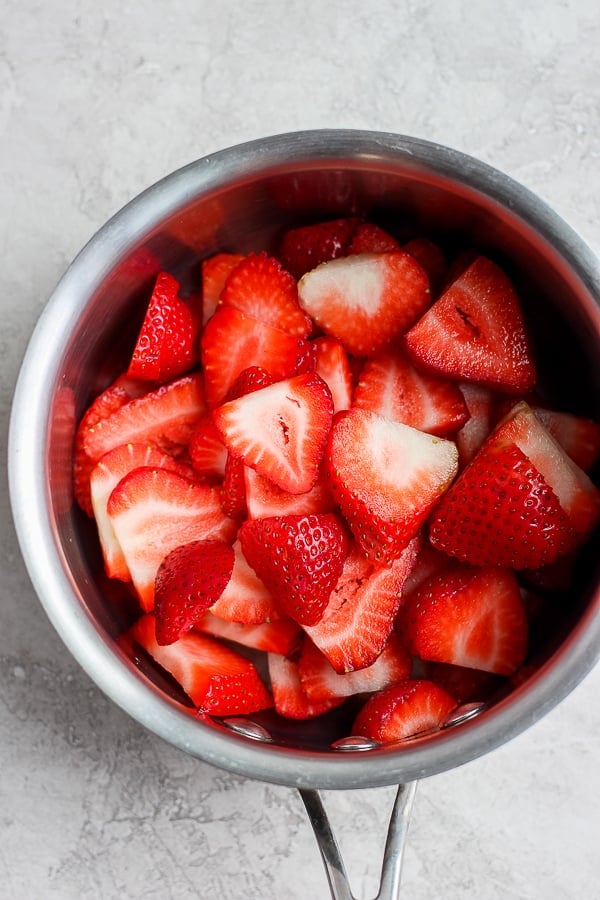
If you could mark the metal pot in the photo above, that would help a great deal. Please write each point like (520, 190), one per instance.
(239, 199)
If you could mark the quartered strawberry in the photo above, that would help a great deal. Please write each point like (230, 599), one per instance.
(206, 449)
(281, 636)
(320, 681)
(260, 287)
(431, 257)
(246, 599)
(480, 405)
(386, 477)
(578, 436)
(280, 430)
(467, 617)
(215, 270)
(218, 680)
(288, 696)
(475, 332)
(370, 238)
(304, 248)
(189, 580)
(166, 346)
(334, 368)
(104, 478)
(390, 385)
(403, 710)
(521, 503)
(366, 300)
(165, 417)
(263, 498)
(299, 558)
(232, 341)
(152, 511)
(359, 616)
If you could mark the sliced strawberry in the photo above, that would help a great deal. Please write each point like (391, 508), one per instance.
(207, 451)
(480, 404)
(165, 417)
(218, 680)
(249, 380)
(468, 617)
(366, 300)
(280, 430)
(475, 332)
(403, 710)
(306, 247)
(104, 478)
(260, 287)
(288, 696)
(231, 340)
(391, 386)
(215, 271)
(370, 238)
(153, 511)
(189, 580)
(578, 436)
(429, 562)
(281, 636)
(299, 558)
(246, 599)
(320, 681)
(359, 617)
(386, 477)
(334, 368)
(233, 489)
(430, 256)
(263, 498)
(166, 346)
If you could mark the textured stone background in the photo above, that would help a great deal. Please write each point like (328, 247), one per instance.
(97, 101)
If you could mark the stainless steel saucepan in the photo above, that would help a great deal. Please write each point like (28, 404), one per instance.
(239, 199)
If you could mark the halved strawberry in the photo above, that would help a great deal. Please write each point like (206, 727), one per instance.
(288, 696)
(207, 451)
(218, 680)
(153, 511)
(370, 238)
(468, 617)
(281, 636)
(166, 346)
(431, 257)
(104, 478)
(334, 368)
(246, 598)
(402, 710)
(391, 386)
(304, 248)
(215, 270)
(233, 340)
(263, 498)
(320, 681)
(578, 436)
(366, 300)
(359, 616)
(299, 558)
(165, 417)
(260, 287)
(386, 477)
(189, 580)
(480, 404)
(475, 332)
(280, 430)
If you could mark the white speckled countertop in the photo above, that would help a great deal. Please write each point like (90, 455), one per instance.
(97, 101)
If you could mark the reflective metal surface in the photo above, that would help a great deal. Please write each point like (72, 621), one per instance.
(238, 199)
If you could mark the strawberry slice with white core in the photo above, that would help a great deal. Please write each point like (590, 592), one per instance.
(403, 710)
(334, 368)
(263, 498)
(288, 696)
(320, 681)
(106, 475)
(386, 477)
(152, 511)
(360, 613)
(245, 599)
(392, 387)
(468, 617)
(366, 300)
(281, 430)
(475, 332)
(281, 636)
(165, 417)
(218, 680)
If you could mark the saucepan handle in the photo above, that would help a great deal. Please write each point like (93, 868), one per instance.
(389, 885)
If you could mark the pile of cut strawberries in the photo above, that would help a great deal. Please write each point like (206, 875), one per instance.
(335, 454)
